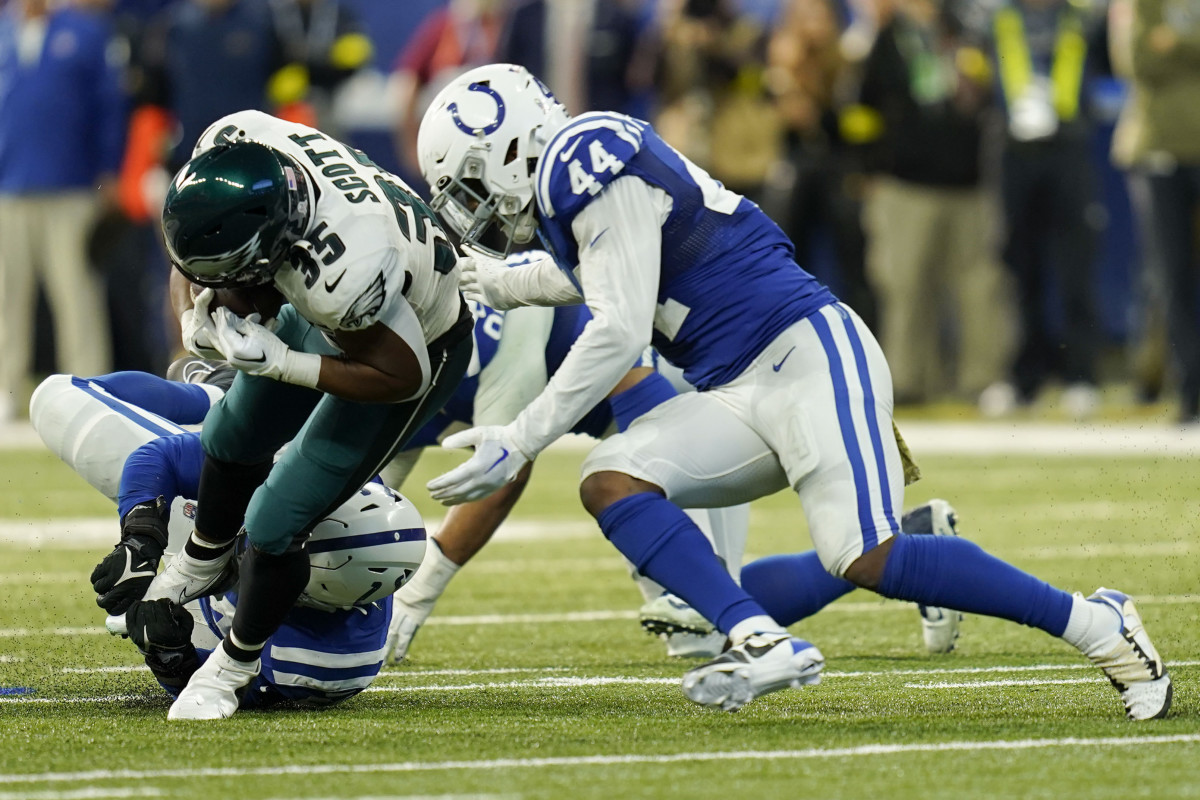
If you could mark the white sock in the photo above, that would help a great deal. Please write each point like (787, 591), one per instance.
(649, 589)
(1090, 622)
(757, 624)
(215, 393)
(433, 576)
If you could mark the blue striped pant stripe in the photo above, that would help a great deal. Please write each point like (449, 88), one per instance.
(151, 422)
(872, 416)
(841, 396)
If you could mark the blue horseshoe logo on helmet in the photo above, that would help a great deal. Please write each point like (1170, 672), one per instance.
(491, 127)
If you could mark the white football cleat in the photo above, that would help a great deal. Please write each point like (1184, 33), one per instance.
(186, 579)
(1131, 662)
(939, 626)
(215, 689)
(694, 645)
(669, 614)
(763, 663)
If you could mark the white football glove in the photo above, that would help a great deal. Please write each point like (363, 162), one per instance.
(482, 280)
(199, 331)
(496, 461)
(401, 630)
(255, 350)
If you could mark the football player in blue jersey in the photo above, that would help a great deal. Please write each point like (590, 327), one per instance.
(794, 391)
(516, 352)
(122, 433)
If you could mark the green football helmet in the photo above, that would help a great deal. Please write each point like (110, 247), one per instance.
(233, 212)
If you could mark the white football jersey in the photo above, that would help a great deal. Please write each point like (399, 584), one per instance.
(372, 245)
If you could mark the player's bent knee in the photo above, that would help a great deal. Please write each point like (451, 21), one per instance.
(600, 490)
(867, 570)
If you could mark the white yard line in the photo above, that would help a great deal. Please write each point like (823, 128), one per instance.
(85, 794)
(87, 533)
(578, 682)
(590, 616)
(986, 684)
(537, 683)
(881, 749)
(395, 673)
(401, 797)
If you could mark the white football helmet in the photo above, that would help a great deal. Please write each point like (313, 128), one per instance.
(478, 146)
(366, 549)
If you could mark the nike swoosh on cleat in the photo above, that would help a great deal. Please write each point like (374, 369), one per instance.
(329, 287)
(565, 155)
(779, 366)
(758, 651)
(598, 235)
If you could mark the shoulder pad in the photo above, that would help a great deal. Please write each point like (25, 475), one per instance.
(583, 158)
(230, 128)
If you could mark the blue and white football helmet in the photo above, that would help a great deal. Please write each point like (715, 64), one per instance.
(364, 551)
(478, 147)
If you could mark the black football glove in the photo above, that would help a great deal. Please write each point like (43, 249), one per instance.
(162, 631)
(125, 573)
(158, 626)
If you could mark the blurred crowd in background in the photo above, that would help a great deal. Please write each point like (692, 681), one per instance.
(1006, 190)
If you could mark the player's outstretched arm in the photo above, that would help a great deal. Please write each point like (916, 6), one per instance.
(466, 529)
(492, 282)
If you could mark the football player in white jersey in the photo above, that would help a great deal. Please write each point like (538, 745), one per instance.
(794, 391)
(373, 339)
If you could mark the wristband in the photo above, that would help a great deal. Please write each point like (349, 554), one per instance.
(301, 369)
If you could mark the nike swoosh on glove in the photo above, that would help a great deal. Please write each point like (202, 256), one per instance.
(255, 350)
(198, 331)
(482, 280)
(496, 461)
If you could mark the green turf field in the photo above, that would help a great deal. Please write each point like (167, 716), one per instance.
(533, 679)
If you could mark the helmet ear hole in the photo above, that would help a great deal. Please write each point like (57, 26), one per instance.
(511, 155)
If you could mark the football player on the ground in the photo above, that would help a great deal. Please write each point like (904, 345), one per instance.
(794, 391)
(516, 353)
(373, 341)
(121, 433)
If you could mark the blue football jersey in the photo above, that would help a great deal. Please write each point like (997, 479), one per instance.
(316, 657)
(729, 281)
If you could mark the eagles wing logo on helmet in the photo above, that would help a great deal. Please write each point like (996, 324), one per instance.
(230, 262)
(366, 305)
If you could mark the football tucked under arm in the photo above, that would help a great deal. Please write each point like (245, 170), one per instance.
(262, 300)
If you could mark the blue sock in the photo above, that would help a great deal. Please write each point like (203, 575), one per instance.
(792, 586)
(956, 573)
(168, 466)
(640, 398)
(668, 548)
(182, 403)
